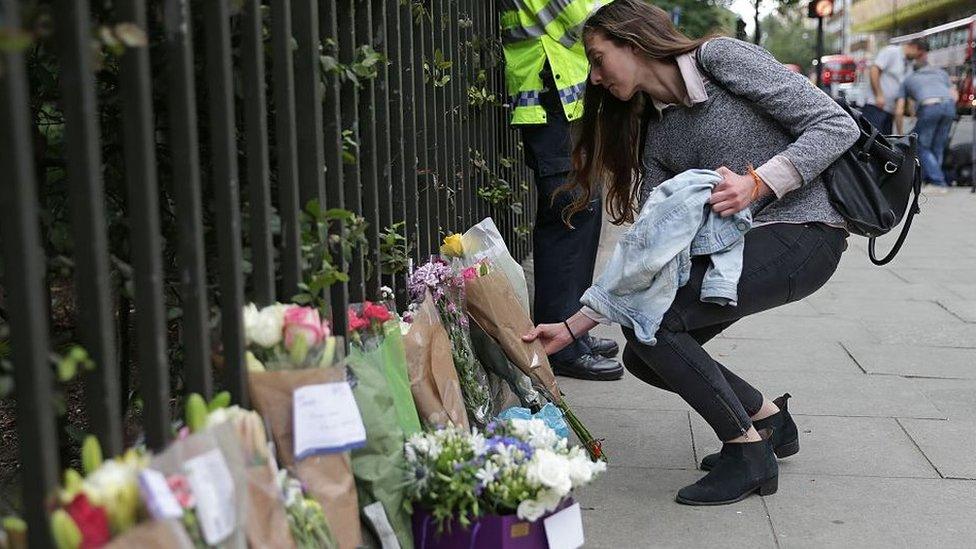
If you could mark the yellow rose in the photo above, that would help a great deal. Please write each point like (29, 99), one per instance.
(452, 246)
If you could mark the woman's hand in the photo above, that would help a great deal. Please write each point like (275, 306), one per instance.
(554, 337)
(734, 193)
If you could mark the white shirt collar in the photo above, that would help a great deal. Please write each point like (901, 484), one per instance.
(693, 79)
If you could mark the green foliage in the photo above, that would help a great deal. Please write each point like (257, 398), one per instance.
(438, 72)
(478, 93)
(789, 36)
(701, 17)
(329, 238)
(394, 249)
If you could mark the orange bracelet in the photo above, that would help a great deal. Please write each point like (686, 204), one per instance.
(757, 182)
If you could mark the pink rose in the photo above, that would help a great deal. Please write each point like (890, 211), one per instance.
(470, 273)
(304, 322)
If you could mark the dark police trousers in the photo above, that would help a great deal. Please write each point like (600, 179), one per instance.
(564, 258)
(781, 263)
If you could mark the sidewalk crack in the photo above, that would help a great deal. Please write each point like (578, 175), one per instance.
(770, 520)
(911, 438)
(694, 451)
(850, 354)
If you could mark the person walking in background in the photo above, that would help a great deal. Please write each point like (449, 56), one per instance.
(935, 107)
(889, 69)
(545, 72)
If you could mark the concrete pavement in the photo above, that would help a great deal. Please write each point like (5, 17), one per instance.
(881, 363)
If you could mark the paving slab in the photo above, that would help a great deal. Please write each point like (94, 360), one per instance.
(964, 288)
(964, 309)
(632, 507)
(906, 331)
(937, 274)
(835, 394)
(626, 393)
(811, 511)
(870, 308)
(914, 360)
(642, 438)
(754, 355)
(768, 326)
(866, 275)
(949, 445)
(861, 446)
(879, 292)
(955, 398)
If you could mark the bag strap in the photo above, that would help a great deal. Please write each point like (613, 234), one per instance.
(914, 209)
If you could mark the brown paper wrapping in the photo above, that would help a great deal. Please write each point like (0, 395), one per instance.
(491, 301)
(433, 379)
(153, 534)
(220, 437)
(326, 477)
(267, 520)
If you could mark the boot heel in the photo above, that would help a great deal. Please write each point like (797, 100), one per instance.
(769, 487)
(788, 449)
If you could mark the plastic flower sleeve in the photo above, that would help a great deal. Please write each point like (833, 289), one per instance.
(483, 241)
(378, 466)
(374, 333)
(493, 358)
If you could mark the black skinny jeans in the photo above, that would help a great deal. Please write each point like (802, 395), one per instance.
(781, 263)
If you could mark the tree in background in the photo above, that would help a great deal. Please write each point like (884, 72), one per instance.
(697, 18)
(790, 36)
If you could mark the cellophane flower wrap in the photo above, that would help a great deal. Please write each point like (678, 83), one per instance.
(290, 347)
(378, 362)
(494, 306)
(446, 286)
(514, 466)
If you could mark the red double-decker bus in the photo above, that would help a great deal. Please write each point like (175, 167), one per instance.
(951, 47)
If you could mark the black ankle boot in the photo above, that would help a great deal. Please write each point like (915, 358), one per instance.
(743, 468)
(786, 438)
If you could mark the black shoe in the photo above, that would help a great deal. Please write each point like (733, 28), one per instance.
(785, 438)
(606, 348)
(744, 468)
(588, 367)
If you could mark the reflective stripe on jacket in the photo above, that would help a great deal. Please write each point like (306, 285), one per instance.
(534, 31)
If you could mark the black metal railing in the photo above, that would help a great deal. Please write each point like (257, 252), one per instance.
(392, 109)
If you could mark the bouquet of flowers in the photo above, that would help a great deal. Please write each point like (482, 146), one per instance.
(493, 304)
(382, 392)
(515, 466)
(447, 288)
(292, 352)
(100, 504)
(305, 517)
(288, 337)
(433, 379)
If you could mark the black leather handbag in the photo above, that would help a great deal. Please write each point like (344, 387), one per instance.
(874, 183)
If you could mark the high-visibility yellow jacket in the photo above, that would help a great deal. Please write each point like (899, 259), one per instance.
(534, 31)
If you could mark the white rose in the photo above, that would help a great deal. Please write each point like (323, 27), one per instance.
(551, 471)
(534, 509)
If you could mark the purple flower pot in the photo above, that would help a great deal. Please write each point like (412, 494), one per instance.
(489, 532)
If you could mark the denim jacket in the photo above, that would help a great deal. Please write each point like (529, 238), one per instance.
(653, 258)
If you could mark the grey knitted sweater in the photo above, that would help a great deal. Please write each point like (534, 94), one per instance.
(761, 110)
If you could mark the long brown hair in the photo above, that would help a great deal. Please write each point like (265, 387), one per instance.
(599, 159)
